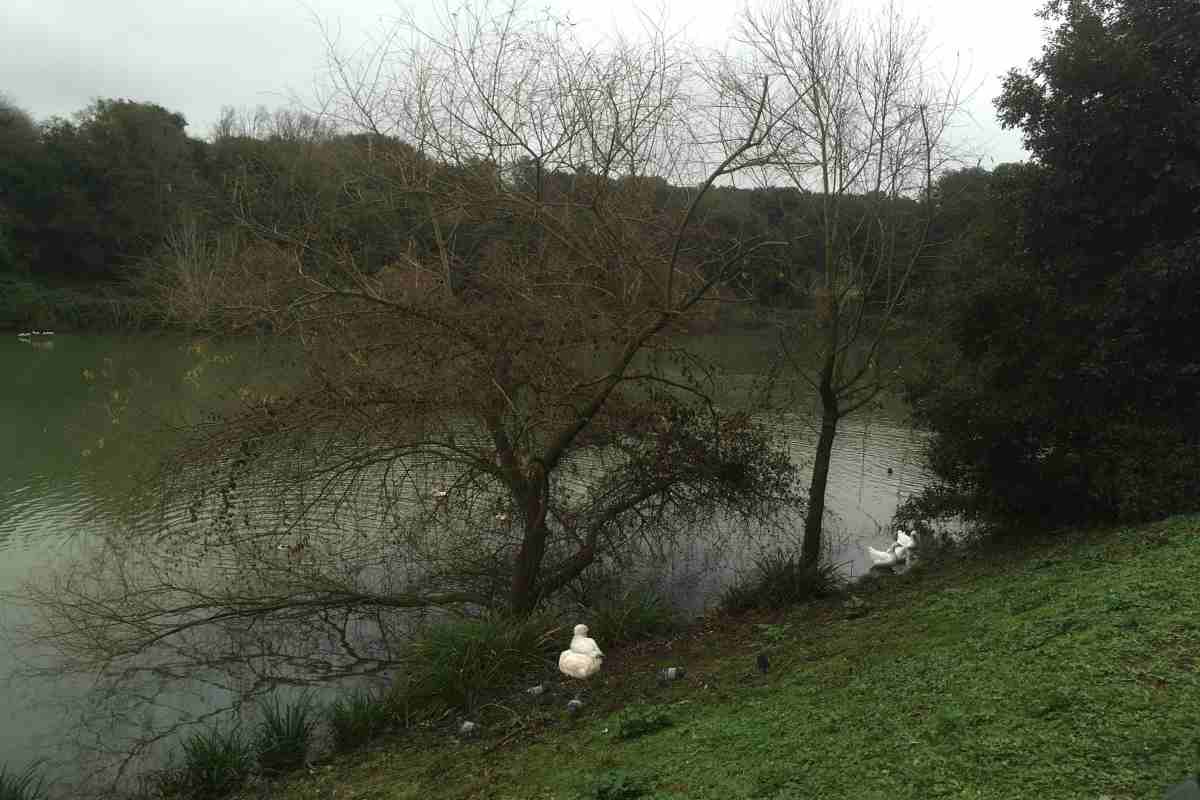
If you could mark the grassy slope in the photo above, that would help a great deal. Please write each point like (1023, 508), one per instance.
(1069, 670)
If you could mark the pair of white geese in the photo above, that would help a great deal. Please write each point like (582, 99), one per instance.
(898, 553)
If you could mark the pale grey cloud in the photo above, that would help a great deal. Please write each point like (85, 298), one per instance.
(195, 56)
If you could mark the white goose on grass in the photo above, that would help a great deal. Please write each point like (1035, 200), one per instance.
(583, 658)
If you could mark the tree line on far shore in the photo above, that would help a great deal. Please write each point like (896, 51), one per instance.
(109, 195)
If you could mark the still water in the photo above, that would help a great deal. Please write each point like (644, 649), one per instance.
(70, 445)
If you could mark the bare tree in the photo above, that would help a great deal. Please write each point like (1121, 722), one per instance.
(574, 148)
(500, 409)
(856, 120)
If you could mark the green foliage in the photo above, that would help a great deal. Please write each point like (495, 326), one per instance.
(97, 195)
(630, 615)
(1070, 391)
(773, 634)
(23, 171)
(1109, 109)
(26, 304)
(215, 764)
(357, 717)
(27, 785)
(1060, 412)
(116, 179)
(334, 192)
(9, 258)
(617, 784)
(636, 722)
(781, 578)
(456, 661)
(21, 302)
(285, 732)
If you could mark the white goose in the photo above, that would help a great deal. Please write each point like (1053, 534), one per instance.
(882, 558)
(583, 658)
(896, 554)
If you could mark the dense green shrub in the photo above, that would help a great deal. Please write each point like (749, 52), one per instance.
(357, 717)
(456, 661)
(781, 578)
(1072, 394)
(631, 615)
(285, 732)
(1055, 413)
(215, 764)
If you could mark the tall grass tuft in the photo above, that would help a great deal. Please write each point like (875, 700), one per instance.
(357, 717)
(455, 662)
(215, 763)
(780, 579)
(632, 615)
(285, 732)
(618, 785)
(25, 785)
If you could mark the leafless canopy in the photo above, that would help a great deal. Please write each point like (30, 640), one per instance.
(857, 120)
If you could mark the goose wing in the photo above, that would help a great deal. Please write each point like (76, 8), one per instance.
(585, 645)
(578, 665)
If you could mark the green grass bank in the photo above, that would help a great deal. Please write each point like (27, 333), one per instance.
(1067, 668)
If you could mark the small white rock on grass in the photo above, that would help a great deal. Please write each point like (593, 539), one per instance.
(669, 674)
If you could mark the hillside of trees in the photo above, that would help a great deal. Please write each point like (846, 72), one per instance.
(111, 196)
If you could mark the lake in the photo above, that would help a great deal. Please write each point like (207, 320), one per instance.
(72, 445)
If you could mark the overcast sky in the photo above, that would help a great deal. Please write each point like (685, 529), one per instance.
(195, 56)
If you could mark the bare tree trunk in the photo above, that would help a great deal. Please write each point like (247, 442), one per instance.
(534, 499)
(852, 129)
(524, 597)
(815, 514)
